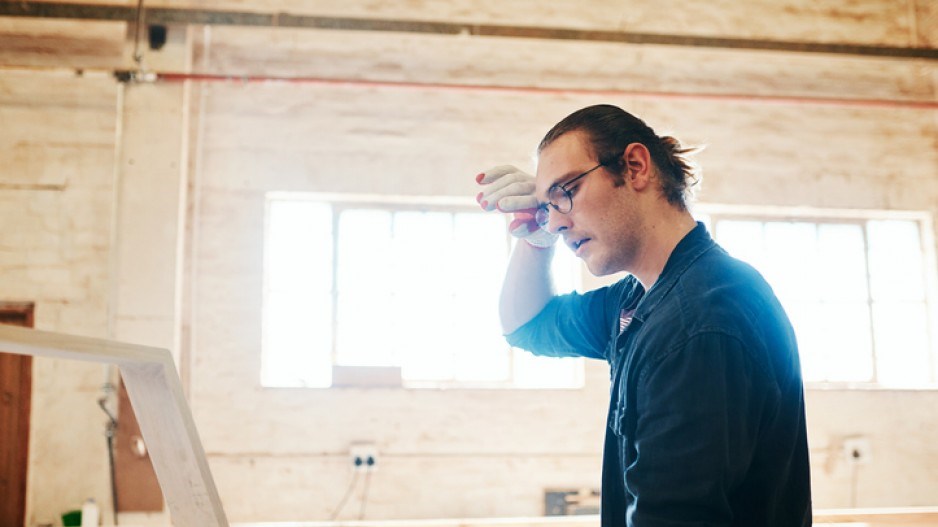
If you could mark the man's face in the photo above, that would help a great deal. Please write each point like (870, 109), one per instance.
(602, 226)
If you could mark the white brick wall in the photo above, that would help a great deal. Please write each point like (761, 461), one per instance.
(56, 196)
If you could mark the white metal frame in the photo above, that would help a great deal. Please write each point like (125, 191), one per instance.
(162, 412)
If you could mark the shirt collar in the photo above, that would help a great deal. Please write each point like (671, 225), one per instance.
(686, 252)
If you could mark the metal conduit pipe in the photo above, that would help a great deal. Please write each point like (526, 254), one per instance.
(128, 76)
(735, 97)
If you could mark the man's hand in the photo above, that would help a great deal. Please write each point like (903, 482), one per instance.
(511, 191)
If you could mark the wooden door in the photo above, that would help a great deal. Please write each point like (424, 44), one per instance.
(16, 373)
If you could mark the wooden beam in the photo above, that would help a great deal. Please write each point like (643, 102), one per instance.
(162, 411)
(163, 15)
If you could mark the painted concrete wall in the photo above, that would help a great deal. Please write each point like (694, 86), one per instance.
(281, 454)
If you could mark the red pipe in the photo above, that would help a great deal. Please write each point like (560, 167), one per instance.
(771, 99)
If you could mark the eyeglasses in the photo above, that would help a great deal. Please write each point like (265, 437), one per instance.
(559, 198)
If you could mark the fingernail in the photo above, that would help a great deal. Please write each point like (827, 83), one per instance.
(485, 204)
(479, 197)
(479, 177)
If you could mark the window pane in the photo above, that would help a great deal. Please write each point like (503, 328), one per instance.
(417, 290)
(425, 336)
(366, 325)
(565, 269)
(743, 240)
(297, 340)
(842, 265)
(483, 365)
(480, 350)
(896, 261)
(835, 341)
(298, 252)
(296, 325)
(791, 260)
(480, 253)
(532, 371)
(901, 343)
(422, 252)
(814, 366)
(364, 249)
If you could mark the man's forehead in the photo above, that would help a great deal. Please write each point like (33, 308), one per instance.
(561, 159)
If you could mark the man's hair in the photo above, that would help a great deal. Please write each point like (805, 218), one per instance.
(610, 129)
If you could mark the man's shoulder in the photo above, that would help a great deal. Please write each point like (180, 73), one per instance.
(719, 293)
(623, 293)
(718, 278)
(724, 303)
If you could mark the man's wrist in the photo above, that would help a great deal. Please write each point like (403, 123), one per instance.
(541, 239)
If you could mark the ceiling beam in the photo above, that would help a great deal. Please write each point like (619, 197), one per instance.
(160, 15)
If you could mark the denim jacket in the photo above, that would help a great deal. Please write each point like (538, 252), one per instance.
(706, 422)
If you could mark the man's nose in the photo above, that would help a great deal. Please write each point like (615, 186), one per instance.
(557, 222)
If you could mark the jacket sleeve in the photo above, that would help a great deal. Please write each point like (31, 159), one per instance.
(697, 423)
(572, 325)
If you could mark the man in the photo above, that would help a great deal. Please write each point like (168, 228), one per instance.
(706, 422)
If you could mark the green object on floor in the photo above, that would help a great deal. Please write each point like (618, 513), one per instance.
(72, 519)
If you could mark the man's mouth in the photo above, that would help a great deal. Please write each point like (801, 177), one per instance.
(575, 245)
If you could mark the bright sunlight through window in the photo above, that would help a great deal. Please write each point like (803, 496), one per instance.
(855, 290)
(388, 285)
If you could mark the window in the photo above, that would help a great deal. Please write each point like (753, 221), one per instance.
(856, 289)
(393, 285)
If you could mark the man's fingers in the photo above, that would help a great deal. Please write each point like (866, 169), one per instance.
(495, 173)
(517, 204)
(512, 185)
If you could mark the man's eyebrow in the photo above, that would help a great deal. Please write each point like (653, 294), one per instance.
(560, 181)
(564, 179)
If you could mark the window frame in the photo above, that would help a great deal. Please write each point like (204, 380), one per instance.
(716, 212)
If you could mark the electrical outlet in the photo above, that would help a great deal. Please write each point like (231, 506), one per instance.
(364, 457)
(858, 450)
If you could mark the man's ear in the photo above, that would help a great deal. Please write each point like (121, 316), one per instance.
(638, 167)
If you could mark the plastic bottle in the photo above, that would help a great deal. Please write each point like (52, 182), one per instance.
(89, 513)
